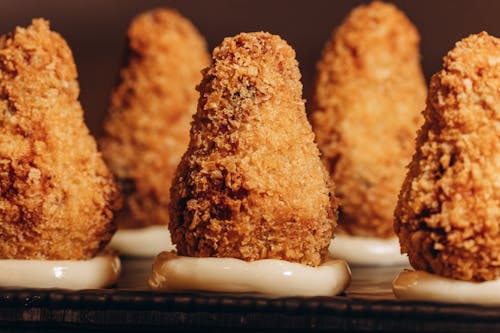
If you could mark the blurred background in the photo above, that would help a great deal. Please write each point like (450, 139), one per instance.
(95, 30)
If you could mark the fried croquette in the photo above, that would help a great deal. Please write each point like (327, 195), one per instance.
(147, 129)
(251, 184)
(448, 213)
(368, 97)
(56, 194)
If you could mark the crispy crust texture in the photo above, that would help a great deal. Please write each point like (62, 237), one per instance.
(448, 213)
(251, 185)
(366, 112)
(147, 129)
(56, 194)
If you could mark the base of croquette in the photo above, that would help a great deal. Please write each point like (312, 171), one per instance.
(270, 277)
(369, 251)
(424, 286)
(98, 272)
(143, 242)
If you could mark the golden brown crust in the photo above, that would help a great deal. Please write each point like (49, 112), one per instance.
(56, 194)
(251, 185)
(147, 129)
(369, 94)
(448, 212)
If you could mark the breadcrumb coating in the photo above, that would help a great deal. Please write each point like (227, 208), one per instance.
(251, 185)
(369, 94)
(448, 213)
(56, 194)
(147, 129)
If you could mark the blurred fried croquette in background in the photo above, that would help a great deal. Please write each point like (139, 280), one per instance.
(369, 93)
(448, 214)
(251, 185)
(56, 194)
(147, 129)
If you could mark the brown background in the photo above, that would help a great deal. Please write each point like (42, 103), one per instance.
(95, 30)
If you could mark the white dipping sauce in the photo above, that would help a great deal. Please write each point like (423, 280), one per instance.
(423, 286)
(143, 242)
(98, 272)
(266, 276)
(369, 251)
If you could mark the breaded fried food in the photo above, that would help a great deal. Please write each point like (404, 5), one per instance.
(448, 213)
(56, 194)
(368, 97)
(147, 129)
(251, 184)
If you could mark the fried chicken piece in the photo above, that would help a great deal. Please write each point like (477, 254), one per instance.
(251, 185)
(369, 94)
(448, 213)
(56, 194)
(147, 129)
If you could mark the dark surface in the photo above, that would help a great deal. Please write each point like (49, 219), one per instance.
(95, 30)
(367, 306)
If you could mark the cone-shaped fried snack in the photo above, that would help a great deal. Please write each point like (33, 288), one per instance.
(56, 194)
(147, 129)
(367, 103)
(251, 185)
(448, 213)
